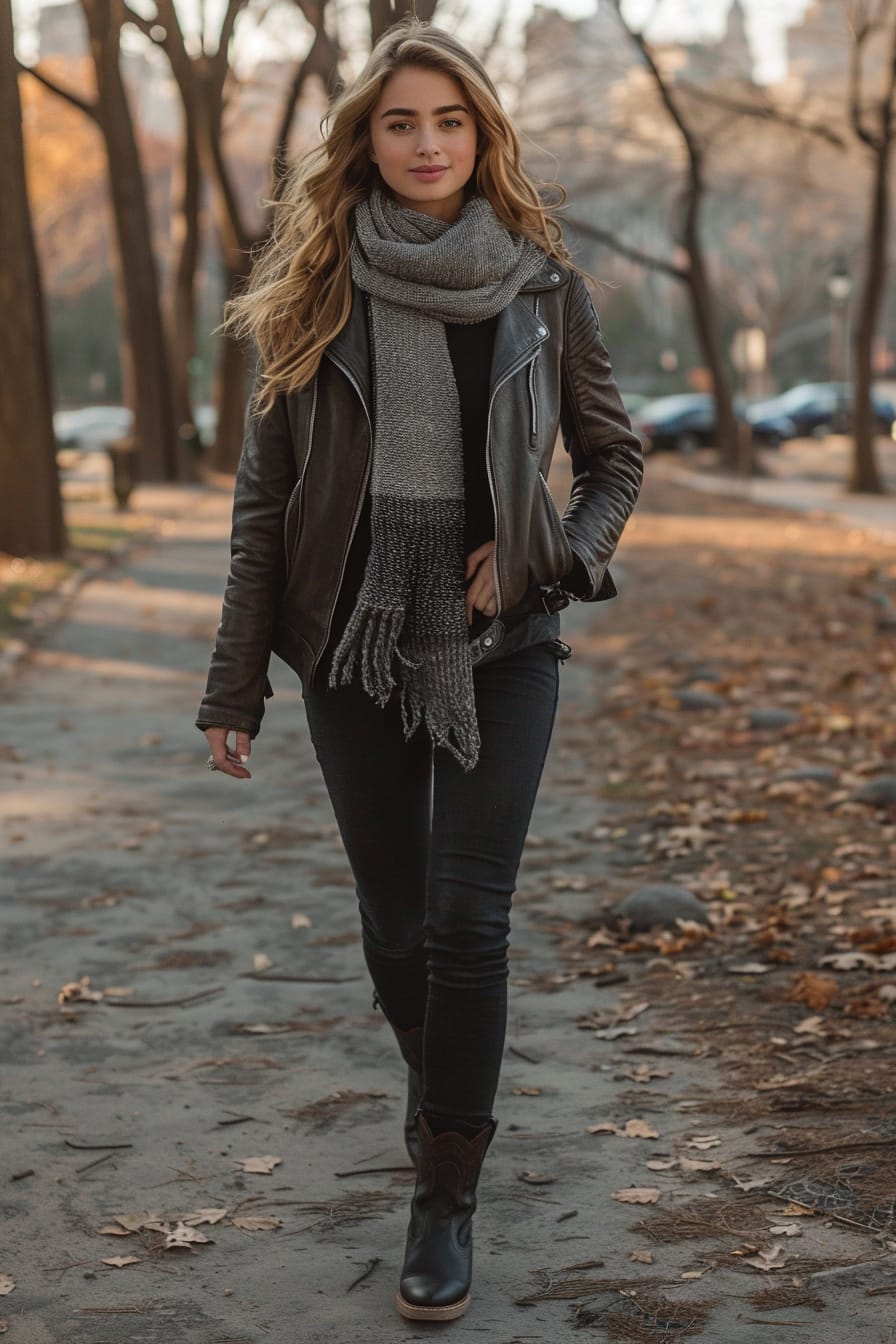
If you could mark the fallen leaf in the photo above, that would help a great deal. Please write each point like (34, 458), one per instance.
(641, 1257)
(119, 1261)
(183, 1236)
(300, 922)
(79, 991)
(639, 1129)
(7, 1283)
(635, 1010)
(786, 1230)
(751, 1182)
(750, 968)
(256, 1222)
(810, 1026)
(661, 1163)
(704, 1141)
(815, 991)
(850, 961)
(637, 1194)
(535, 1178)
(117, 991)
(262, 1166)
(261, 961)
(773, 1258)
(135, 1222)
(698, 1164)
(527, 1091)
(643, 1073)
(200, 1216)
(614, 1033)
(114, 1231)
(693, 1274)
(797, 1211)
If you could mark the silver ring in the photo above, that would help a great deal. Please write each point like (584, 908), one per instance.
(211, 763)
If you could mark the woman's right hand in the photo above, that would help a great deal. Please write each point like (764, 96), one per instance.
(229, 761)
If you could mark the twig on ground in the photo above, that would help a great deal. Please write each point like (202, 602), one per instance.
(371, 1266)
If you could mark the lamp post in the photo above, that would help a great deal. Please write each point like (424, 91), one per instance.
(839, 290)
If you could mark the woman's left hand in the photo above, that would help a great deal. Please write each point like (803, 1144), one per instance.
(480, 576)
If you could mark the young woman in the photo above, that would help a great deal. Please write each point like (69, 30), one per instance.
(421, 341)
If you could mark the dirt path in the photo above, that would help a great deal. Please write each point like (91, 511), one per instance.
(235, 1020)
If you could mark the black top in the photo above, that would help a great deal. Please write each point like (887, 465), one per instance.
(470, 347)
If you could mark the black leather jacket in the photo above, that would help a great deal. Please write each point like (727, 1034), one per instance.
(305, 467)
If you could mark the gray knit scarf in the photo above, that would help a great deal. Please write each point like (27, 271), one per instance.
(410, 621)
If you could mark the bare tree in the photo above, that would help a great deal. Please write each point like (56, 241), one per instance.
(31, 520)
(144, 354)
(873, 122)
(695, 272)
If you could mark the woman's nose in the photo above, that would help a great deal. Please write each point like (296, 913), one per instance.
(427, 144)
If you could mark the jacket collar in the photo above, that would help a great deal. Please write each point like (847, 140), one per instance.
(519, 332)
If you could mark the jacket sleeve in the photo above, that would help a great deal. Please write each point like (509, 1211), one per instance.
(237, 679)
(607, 461)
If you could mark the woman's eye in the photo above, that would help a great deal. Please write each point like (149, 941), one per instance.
(399, 125)
(451, 122)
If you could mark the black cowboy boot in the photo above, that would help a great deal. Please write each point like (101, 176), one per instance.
(410, 1043)
(438, 1262)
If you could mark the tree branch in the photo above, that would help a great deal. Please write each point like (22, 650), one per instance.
(764, 112)
(587, 230)
(89, 109)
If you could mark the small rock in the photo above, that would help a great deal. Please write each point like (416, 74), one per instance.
(703, 674)
(764, 719)
(879, 792)
(660, 903)
(688, 699)
(814, 774)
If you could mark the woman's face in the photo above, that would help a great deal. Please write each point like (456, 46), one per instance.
(423, 140)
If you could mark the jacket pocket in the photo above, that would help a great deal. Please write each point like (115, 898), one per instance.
(550, 556)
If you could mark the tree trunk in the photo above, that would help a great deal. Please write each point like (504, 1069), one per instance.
(864, 476)
(146, 370)
(383, 13)
(31, 520)
(230, 401)
(707, 326)
(180, 300)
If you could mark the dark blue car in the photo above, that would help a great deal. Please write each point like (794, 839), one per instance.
(822, 408)
(687, 421)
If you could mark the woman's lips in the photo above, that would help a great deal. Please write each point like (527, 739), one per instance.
(429, 174)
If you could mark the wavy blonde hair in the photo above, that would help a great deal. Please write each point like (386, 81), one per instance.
(299, 293)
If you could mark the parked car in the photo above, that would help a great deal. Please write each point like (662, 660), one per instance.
(818, 409)
(90, 429)
(687, 421)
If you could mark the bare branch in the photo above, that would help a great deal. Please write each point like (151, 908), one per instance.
(587, 230)
(763, 111)
(67, 95)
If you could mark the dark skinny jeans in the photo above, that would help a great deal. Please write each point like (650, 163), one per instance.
(434, 851)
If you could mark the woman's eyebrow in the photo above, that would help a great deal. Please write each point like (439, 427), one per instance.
(412, 112)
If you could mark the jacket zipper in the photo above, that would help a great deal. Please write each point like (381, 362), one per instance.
(297, 491)
(359, 504)
(511, 372)
(533, 437)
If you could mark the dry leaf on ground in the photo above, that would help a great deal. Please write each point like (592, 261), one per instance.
(632, 1129)
(261, 961)
(774, 1258)
(786, 1230)
(536, 1178)
(113, 1231)
(301, 922)
(119, 1261)
(637, 1194)
(698, 1164)
(136, 1222)
(7, 1283)
(199, 1216)
(815, 991)
(704, 1141)
(181, 1235)
(79, 991)
(662, 1163)
(641, 1257)
(256, 1222)
(261, 1166)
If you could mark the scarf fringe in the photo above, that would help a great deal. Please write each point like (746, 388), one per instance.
(371, 641)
